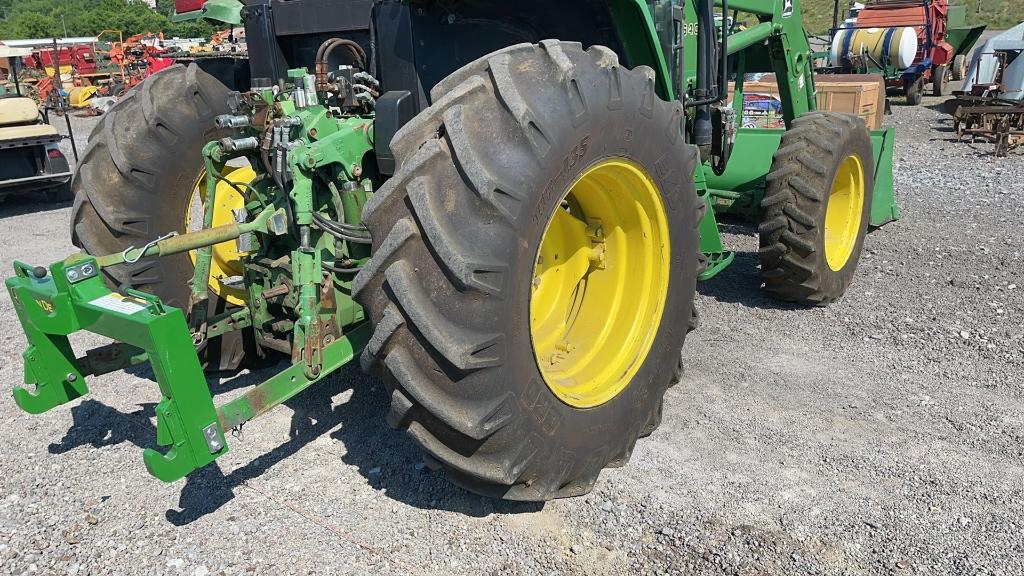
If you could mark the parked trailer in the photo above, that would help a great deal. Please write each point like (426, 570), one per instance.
(909, 42)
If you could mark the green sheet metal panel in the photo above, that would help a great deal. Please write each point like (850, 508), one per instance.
(963, 39)
(752, 159)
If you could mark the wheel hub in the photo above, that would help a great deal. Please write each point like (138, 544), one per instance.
(844, 213)
(226, 265)
(600, 283)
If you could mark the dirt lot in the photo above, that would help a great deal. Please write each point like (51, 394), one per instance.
(883, 435)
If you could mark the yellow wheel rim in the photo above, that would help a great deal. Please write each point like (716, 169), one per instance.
(226, 266)
(844, 213)
(600, 283)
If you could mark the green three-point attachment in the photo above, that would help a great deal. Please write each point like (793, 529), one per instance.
(72, 297)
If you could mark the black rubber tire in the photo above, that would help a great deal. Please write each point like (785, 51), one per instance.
(914, 91)
(135, 182)
(959, 67)
(455, 236)
(940, 80)
(793, 264)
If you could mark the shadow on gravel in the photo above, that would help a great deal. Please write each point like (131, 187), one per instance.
(98, 425)
(740, 283)
(219, 382)
(386, 458)
(28, 203)
(314, 415)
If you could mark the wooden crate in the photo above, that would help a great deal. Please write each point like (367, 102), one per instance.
(859, 94)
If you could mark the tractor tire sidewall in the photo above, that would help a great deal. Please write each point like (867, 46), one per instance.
(794, 265)
(588, 438)
(136, 182)
(546, 448)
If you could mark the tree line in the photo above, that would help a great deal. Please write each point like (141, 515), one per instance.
(21, 19)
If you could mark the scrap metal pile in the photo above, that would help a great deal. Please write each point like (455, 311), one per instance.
(991, 105)
(991, 118)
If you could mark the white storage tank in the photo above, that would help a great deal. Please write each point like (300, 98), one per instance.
(896, 47)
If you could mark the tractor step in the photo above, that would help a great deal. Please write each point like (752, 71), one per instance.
(711, 246)
(716, 263)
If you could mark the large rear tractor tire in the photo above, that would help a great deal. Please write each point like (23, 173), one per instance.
(534, 268)
(137, 181)
(817, 207)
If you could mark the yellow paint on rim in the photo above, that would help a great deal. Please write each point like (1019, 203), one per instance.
(600, 283)
(844, 212)
(227, 260)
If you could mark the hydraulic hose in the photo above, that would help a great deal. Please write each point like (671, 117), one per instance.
(333, 229)
(324, 52)
(702, 129)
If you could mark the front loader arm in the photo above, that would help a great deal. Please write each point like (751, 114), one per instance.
(788, 55)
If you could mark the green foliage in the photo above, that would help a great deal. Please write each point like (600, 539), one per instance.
(997, 14)
(48, 18)
(43, 18)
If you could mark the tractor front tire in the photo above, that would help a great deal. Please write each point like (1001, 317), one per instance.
(523, 152)
(136, 181)
(817, 207)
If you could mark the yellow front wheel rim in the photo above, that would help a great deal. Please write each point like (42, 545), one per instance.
(226, 265)
(844, 213)
(600, 283)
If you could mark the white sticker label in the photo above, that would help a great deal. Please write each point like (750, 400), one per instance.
(118, 303)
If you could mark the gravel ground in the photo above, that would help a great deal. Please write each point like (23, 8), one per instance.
(883, 435)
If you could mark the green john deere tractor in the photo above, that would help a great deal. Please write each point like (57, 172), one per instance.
(508, 229)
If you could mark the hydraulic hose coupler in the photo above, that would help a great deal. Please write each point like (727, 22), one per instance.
(238, 144)
(232, 121)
